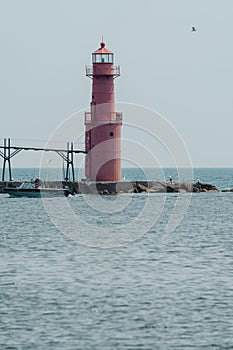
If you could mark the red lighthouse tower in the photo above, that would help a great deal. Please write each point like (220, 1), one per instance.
(103, 124)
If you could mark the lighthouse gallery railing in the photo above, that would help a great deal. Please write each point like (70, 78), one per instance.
(115, 71)
(116, 117)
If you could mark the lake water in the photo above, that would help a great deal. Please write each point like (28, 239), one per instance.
(157, 289)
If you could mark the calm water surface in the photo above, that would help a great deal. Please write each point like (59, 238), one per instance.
(162, 291)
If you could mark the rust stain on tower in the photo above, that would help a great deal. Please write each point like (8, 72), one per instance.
(103, 124)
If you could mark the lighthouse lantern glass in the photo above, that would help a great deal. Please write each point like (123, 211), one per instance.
(102, 58)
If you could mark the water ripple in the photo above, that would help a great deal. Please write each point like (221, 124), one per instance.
(160, 292)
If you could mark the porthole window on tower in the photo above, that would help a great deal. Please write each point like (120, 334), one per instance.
(111, 133)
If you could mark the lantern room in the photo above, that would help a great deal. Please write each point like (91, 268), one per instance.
(102, 55)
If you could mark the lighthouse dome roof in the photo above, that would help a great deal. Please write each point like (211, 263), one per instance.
(102, 49)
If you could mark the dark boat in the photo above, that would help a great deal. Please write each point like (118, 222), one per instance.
(33, 190)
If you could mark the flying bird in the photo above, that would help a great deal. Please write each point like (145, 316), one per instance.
(194, 29)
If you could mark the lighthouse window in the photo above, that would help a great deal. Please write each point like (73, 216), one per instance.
(102, 58)
(111, 133)
(96, 58)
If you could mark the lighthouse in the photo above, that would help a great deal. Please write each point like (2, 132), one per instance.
(102, 123)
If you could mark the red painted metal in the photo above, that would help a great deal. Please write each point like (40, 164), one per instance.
(103, 124)
(102, 49)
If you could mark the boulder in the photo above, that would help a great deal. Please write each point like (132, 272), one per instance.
(171, 189)
(205, 187)
(186, 186)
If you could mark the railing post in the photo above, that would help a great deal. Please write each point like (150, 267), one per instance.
(67, 163)
(72, 160)
(9, 158)
(4, 160)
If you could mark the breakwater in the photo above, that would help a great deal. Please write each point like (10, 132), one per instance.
(111, 188)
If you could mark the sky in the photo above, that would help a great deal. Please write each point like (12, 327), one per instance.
(183, 75)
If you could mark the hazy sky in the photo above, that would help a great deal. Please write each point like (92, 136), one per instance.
(185, 76)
